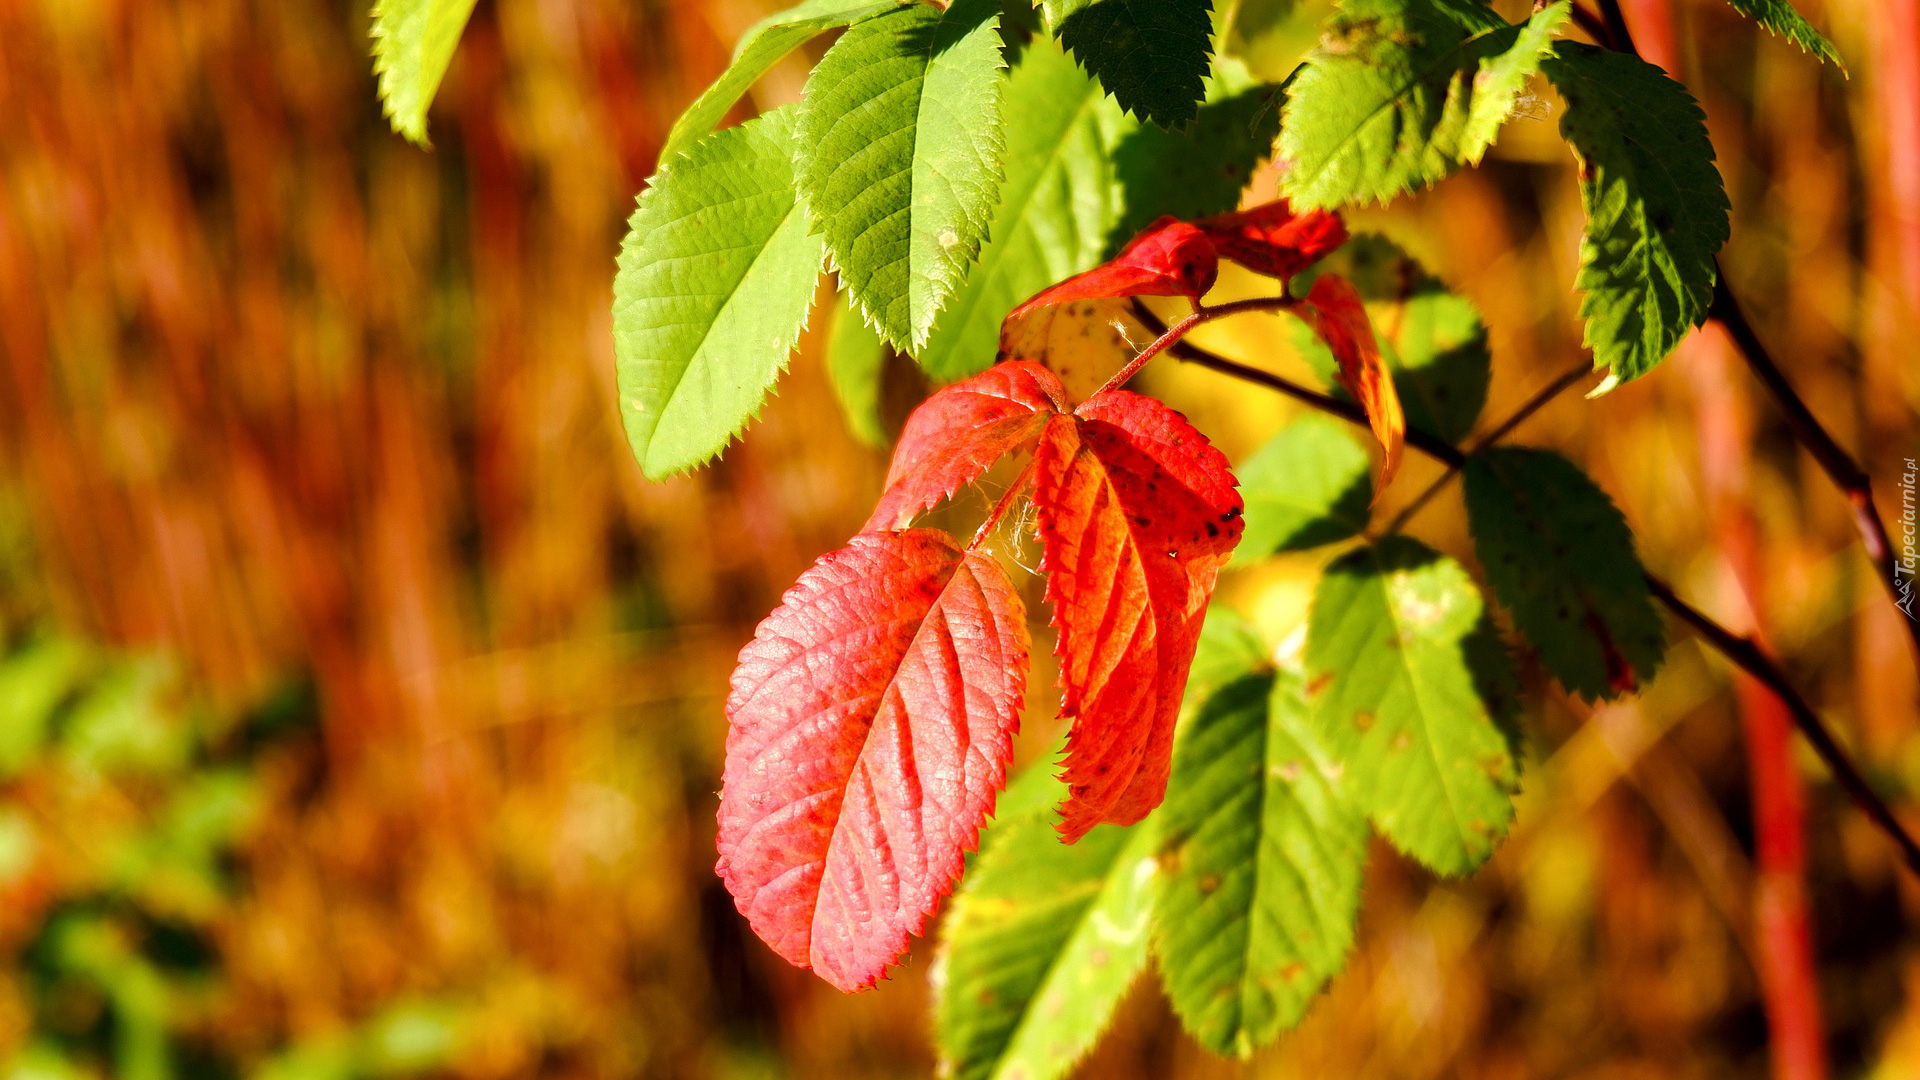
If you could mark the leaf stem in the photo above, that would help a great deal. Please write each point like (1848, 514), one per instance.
(1742, 652)
(1171, 335)
(1569, 379)
(1019, 487)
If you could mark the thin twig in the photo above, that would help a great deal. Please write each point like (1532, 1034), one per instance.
(1570, 378)
(1592, 24)
(1840, 466)
(1740, 651)
(1752, 659)
(1618, 36)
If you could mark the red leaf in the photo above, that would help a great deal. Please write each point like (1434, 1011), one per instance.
(959, 433)
(871, 722)
(1084, 342)
(1272, 240)
(1168, 258)
(1334, 308)
(1137, 513)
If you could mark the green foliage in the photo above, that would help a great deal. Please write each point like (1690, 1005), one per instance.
(1560, 557)
(1057, 204)
(716, 276)
(1230, 647)
(1082, 178)
(413, 42)
(34, 681)
(761, 47)
(1309, 485)
(1151, 55)
(1411, 692)
(1431, 337)
(900, 158)
(1656, 210)
(1257, 910)
(1402, 92)
(856, 362)
(1201, 170)
(1042, 941)
(1781, 20)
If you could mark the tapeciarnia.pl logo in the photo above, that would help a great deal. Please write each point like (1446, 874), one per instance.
(1903, 567)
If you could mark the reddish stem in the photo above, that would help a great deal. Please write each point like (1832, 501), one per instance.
(1020, 484)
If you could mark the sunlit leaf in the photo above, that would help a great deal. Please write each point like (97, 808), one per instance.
(413, 42)
(1306, 487)
(763, 45)
(899, 151)
(856, 362)
(1431, 337)
(1335, 311)
(1410, 692)
(716, 275)
(1057, 205)
(1656, 209)
(1256, 910)
(1137, 514)
(870, 726)
(959, 432)
(1042, 942)
(1402, 92)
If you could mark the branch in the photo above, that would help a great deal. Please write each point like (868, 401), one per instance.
(1740, 651)
(1539, 401)
(1840, 467)
(1752, 659)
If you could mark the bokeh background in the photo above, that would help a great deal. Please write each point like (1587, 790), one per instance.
(360, 703)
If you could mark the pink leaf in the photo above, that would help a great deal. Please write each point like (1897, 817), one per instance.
(1137, 513)
(1168, 258)
(959, 433)
(1273, 240)
(1334, 308)
(871, 722)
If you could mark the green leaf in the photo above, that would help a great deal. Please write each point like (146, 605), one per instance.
(1258, 910)
(1781, 20)
(1151, 55)
(1402, 92)
(34, 682)
(761, 47)
(1309, 485)
(856, 361)
(1560, 557)
(1042, 942)
(1230, 647)
(1656, 210)
(716, 276)
(1056, 206)
(1202, 170)
(1411, 692)
(1431, 338)
(900, 149)
(413, 42)
(1501, 78)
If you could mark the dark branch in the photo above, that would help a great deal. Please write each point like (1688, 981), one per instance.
(1752, 659)
(1840, 466)
(1740, 651)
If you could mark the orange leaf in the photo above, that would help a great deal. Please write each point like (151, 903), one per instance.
(1334, 309)
(1137, 514)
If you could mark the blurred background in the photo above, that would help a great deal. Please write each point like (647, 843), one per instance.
(360, 703)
